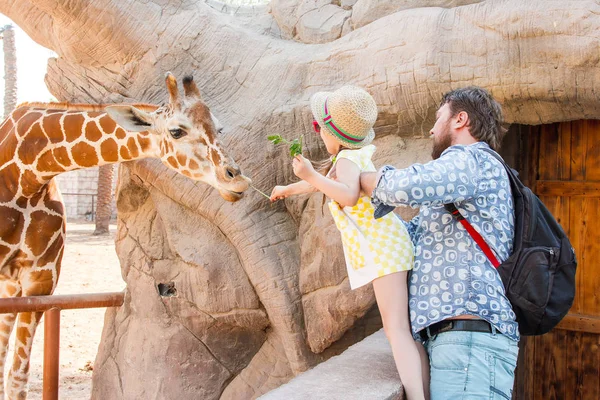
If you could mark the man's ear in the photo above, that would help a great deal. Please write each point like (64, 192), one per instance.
(461, 120)
(130, 118)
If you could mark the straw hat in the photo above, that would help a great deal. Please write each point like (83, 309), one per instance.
(348, 114)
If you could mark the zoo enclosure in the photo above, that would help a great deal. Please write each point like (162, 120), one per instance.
(52, 306)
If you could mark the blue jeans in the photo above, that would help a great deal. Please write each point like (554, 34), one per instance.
(472, 365)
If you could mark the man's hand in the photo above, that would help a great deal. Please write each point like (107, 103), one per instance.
(368, 181)
(303, 169)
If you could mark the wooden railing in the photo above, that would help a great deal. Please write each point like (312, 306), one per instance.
(52, 306)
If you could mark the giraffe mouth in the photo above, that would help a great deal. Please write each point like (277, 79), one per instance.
(231, 195)
(234, 190)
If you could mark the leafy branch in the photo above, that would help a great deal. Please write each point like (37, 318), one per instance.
(295, 149)
(295, 145)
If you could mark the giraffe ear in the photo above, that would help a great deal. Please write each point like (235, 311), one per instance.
(130, 118)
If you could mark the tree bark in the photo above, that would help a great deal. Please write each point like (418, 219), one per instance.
(10, 69)
(104, 196)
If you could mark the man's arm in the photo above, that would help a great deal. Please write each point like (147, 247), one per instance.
(451, 178)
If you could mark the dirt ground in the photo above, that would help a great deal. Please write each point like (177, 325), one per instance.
(90, 265)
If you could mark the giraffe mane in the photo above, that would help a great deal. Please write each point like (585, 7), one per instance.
(85, 107)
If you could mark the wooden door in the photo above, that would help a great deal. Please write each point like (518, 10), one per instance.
(562, 165)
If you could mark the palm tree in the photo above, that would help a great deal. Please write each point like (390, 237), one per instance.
(104, 194)
(10, 69)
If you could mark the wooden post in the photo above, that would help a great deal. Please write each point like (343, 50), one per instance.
(51, 353)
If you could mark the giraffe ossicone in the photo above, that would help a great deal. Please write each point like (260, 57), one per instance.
(39, 141)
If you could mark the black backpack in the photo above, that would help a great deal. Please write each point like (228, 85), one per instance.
(539, 276)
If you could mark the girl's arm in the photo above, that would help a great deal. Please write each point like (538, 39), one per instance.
(281, 192)
(345, 190)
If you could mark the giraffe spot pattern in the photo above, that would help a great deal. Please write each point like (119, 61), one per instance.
(120, 133)
(4, 250)
(51, 125)
(133, 149)
(107, 124)
(52, 203)
(12, 225)
(34, 200)
(29, 183)
(92, 132)
(214, 157)
(52, 141)
(181, 159)
(42, 278)
(61, 155)
(84, 155)
(19, 113)
(9, 187)
(19, 261)
(22, 202)
(9, 147)
(124, 153)
(47, 163)
(40, 231)
(109, 150)
(145, 143)
(33, 143)
(171, 160)
(23, 332)
(73, 125)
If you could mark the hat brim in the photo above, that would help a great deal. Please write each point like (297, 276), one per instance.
(317, 104)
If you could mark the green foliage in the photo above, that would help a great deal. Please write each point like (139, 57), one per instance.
(295, 145)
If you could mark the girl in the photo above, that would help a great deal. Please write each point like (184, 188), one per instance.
(378, 251)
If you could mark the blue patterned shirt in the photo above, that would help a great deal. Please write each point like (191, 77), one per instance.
(451, 275)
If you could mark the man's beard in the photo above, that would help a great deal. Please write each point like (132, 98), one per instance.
(443, 141)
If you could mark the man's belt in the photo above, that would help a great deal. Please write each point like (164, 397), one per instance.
(470, 325)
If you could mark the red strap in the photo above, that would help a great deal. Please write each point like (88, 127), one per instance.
(477, 237)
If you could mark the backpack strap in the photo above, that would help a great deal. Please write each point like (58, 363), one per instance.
(451, 208)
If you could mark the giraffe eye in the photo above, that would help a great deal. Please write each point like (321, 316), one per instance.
(177, 133)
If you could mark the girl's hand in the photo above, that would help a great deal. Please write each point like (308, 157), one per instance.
(302, 167)
(279, 192)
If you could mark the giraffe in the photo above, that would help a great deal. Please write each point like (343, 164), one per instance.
(38, 141)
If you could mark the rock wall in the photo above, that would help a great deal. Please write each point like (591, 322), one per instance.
(254, 293)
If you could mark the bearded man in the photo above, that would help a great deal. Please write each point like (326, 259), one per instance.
(458, 306)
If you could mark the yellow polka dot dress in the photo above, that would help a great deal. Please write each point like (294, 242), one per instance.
(372, 248)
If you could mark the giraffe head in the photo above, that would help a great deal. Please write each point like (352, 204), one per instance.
(186, 138)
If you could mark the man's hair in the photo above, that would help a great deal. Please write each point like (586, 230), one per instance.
(485, 114)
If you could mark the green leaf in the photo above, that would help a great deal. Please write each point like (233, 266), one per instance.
(295, 149)
(295, 145)
(276, 139)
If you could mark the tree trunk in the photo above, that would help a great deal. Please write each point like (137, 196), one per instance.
(10, 69)
(104, 203)
(231, 300)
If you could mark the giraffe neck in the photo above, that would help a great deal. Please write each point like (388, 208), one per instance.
(41, 143)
